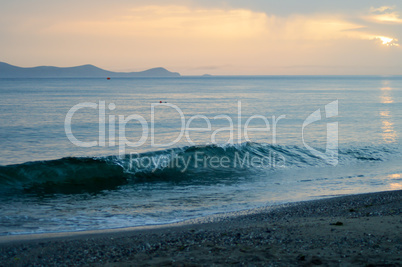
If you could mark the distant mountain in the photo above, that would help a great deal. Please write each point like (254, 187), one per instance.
(84, 71)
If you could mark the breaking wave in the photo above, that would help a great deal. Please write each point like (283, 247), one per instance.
(208, 163)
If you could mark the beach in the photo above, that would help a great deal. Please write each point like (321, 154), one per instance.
(201, 133)
(355, 230)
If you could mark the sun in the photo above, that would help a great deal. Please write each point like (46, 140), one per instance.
(387, 40)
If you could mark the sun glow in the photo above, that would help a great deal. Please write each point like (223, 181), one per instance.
(201, 38)
(385, 14)
(396, 186)
(395, 175)
(388, 41)
(388, 18)
(385, 40)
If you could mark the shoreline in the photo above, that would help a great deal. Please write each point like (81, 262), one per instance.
(213, 218)
(354, 229)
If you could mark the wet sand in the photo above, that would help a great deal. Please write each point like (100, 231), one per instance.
(357, 230)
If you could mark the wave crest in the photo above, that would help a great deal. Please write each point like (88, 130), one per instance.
(208, 163)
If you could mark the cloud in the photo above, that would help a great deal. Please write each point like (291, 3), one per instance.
(171, 21)
(385, 14)
(195, 26)
(388, 41)
(381, 10)
(186, 22)
(223, 39)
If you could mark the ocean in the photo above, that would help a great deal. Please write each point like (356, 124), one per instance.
(86, 154)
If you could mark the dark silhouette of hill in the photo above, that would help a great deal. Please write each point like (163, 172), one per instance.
(84, 71)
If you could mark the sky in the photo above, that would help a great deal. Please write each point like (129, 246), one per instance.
(194, 37)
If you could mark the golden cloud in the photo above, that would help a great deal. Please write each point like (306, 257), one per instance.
(184, 22)
(385, 14)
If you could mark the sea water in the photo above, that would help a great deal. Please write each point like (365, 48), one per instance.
(84, 154)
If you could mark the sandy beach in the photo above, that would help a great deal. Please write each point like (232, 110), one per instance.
(357, 230)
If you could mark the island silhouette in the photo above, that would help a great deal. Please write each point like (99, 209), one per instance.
(84, 71)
